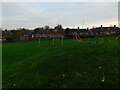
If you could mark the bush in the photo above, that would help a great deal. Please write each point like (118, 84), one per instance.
(10, 39)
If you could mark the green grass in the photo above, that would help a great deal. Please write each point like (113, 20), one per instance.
(73, 65)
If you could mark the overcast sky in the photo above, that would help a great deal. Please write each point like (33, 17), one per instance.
(69, 14)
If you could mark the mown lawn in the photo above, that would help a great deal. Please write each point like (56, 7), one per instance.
(72, 65)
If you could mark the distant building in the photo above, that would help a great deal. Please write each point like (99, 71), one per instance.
(105, 31)
(25, 35)
(81, 32)
(5, 35)
(48, 34)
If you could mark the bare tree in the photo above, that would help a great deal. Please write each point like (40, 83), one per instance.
(46, 27)
(58, 27)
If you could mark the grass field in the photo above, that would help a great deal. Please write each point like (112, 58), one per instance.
(72, 65)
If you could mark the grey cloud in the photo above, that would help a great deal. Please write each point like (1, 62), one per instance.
(68, 14)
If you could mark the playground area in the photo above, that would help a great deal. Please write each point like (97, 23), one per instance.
(61, 63)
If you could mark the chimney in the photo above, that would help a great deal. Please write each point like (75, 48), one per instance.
(87, 28)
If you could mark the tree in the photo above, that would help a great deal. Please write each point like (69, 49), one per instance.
(67, 31)
(46, 27)
(6, 30)
(37, 29)
(16, 34)
(58, 27)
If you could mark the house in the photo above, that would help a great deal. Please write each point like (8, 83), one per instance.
(6, 34)
(48, 34)
(81, 32)
(25, 35)
(39, 33)
(84, 32)
(106, 31)
(71, 31)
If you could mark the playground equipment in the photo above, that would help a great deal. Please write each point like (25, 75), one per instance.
(76, 37)
(117, 37)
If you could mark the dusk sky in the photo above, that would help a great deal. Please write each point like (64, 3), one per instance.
(69, 14)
